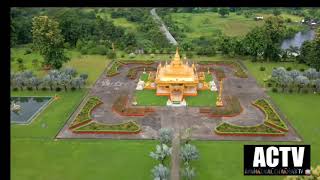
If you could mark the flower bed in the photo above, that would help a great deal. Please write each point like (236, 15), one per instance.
(262, 129)
(113, 70)
(132, 73)
(272, 117)
(84, 115)
(239, 71)
(130, 127)
(120, 106)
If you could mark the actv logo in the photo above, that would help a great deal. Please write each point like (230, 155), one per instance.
(276, 159)
(270, 156)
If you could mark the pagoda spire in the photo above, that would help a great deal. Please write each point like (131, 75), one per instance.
(176, 59)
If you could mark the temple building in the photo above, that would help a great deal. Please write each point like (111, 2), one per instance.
(178, 79)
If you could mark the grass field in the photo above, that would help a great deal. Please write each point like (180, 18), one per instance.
(209, 23)
(149, 98)
(254, 69)
(93, 65)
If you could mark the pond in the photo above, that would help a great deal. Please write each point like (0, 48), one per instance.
(298, 39)
(24, 109)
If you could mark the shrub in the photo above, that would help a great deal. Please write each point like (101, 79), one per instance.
(29, 88)
(73, 88)
(123, 55)
(152, 56)
(15, 89)
(269, 84)
(100, 49)
(274, 89)
(66, 45)
(165, 136)
(20, 60)
(84, 51)
(288, 68)
(43, 88)
(302, 69)
(290, 90)
(305, 90)
(58, 89)
(262, 68)
(111, 55)
(27, 51)
(132, 55)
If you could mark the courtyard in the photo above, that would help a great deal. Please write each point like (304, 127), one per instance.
(108, 89)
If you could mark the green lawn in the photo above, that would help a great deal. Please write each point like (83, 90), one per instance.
(209, 23)
(33, 159)
(204, 98)
(149, 98)
(254, 68)
(93, 65)
(144, 77)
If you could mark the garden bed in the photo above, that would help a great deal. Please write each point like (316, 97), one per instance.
(132, 73)
(232, 107)
(259, 130)
(84, 115)
(143, 62)
(272, 117)
(113, 70)
(130, 127)
(120, 106)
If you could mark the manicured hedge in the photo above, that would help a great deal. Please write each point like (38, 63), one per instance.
(272, 117)
(239, 71)
(114, 69)
(85, 113)
(130, 126)
(227, 128)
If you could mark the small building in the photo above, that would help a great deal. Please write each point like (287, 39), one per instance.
(258, 18)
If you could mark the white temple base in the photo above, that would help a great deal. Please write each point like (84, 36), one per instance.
(213, 86)
(183, 103)
(140, 85)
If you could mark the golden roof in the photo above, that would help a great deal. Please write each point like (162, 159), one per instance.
(176, 71)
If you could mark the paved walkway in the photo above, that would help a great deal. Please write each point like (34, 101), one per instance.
(163, 27)
(175, 158)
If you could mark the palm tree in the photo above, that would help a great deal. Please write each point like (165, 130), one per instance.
(162, 151)
(188, 153)
(160, 172)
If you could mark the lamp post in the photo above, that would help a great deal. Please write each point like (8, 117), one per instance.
(219, 102)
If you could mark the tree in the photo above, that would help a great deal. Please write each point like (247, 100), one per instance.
(188, 153)
(70, 71)
(48, 40)
(77, 82)
(162, 151)
(311, 73)
(49, 81)
(301, 81)
(285, 81)
(276, 12)
(317, 84)
(223, 11)
(160, 172)
(35, 82)
(165, 136)
(84, 76)
(188, 173)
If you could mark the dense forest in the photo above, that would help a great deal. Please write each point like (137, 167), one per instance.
(94, 31)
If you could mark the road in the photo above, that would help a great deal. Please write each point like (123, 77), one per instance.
(163, 27)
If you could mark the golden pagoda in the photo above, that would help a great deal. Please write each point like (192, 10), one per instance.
(177, 79)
